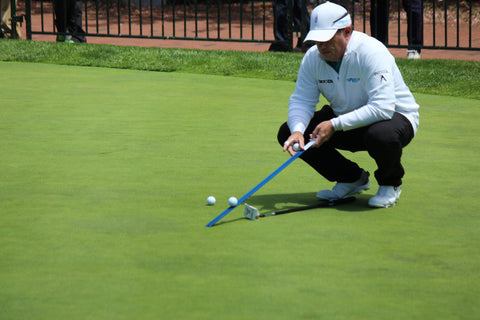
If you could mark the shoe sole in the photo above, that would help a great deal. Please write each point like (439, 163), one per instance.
(388, 205)
(358, 190)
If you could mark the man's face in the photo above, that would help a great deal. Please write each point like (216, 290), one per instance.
(333, 49)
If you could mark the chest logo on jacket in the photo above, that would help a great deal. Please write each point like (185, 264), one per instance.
(325, 81)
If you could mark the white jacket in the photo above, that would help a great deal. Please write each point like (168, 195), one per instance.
(368, 87)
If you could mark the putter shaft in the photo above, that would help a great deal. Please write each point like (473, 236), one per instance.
(261, 184)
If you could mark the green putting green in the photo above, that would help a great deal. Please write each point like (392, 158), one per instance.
(104, 176)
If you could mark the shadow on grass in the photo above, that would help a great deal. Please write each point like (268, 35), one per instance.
(274, 202)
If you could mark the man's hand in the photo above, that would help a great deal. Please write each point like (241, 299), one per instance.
(323, 132)
(296, 137)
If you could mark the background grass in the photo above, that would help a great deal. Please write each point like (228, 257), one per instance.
(440, 77)
(104, 177)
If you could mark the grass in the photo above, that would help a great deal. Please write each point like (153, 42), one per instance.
(256, 65)
(104, 177)
(439, 77)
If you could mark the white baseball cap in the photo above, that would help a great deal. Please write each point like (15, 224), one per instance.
(325, 20)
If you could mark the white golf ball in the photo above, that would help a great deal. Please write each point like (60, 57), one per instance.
(232, 201)
(296, 146)
(211, 200)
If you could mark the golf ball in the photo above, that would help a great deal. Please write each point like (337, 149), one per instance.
(232, 201)
(296, 146)
(211, 200)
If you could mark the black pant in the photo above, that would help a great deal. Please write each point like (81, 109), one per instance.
(68, 18)
(383, 140)
(379, 17)
(280, 10)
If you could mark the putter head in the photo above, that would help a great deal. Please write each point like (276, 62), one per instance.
(251, 212)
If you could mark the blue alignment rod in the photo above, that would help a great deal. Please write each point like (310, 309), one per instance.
(261, 184)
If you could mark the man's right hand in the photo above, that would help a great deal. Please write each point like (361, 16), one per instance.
(322, 133)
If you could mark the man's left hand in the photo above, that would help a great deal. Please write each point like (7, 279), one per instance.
(323, 132)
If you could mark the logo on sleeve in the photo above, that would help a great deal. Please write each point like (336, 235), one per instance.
(382, 74)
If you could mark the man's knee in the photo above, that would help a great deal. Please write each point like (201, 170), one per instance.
(394, 133)
(283, 133)
(382, 137)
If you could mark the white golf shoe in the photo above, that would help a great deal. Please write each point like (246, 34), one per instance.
(386, 197)
(413, 54)
(342, 190)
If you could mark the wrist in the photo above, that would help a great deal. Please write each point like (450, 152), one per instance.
(337, 125)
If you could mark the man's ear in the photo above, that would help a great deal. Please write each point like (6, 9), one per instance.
(348, 31)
